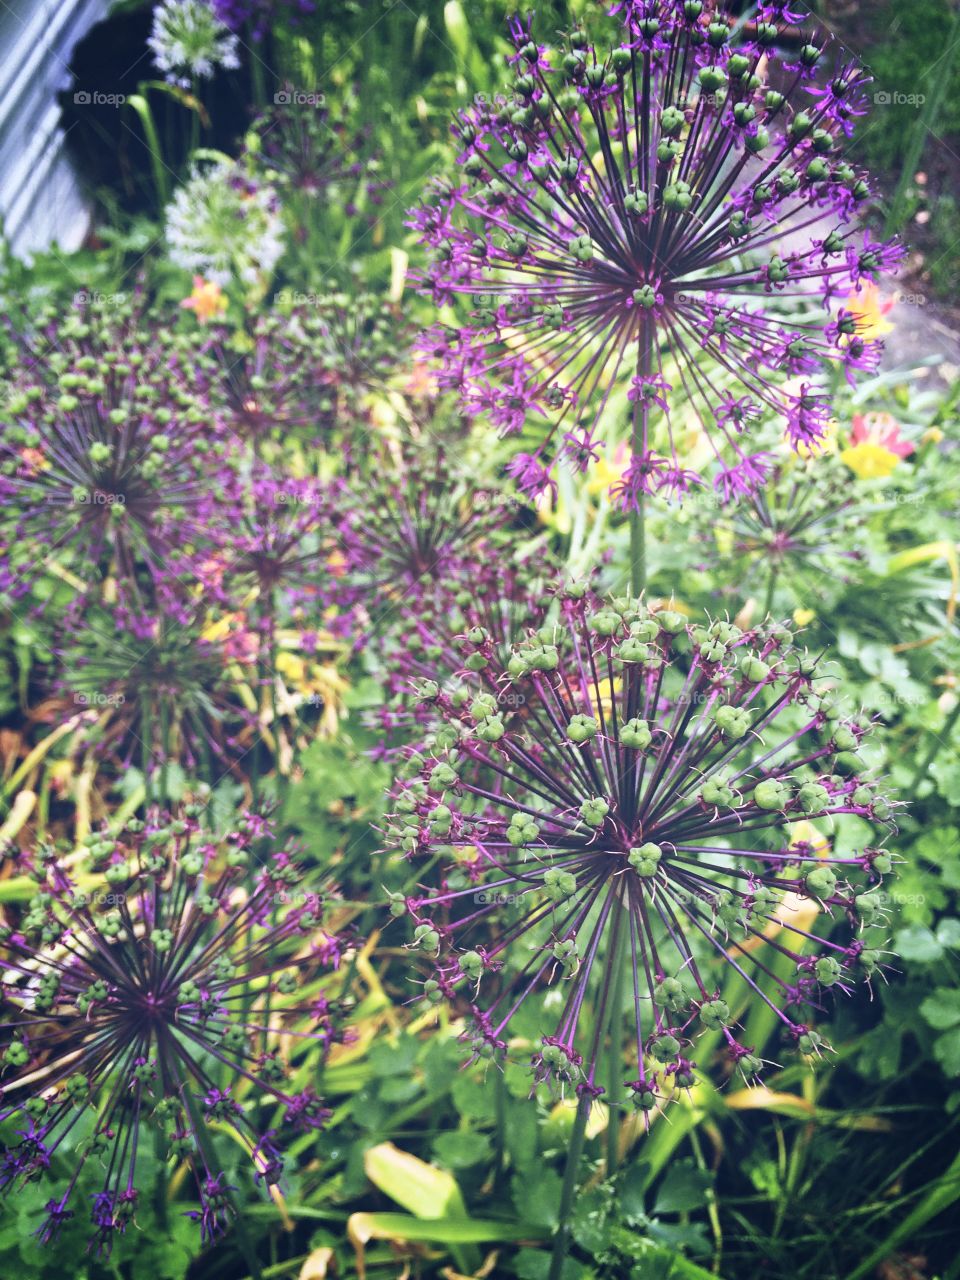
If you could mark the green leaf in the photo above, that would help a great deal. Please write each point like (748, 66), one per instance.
(918, 945)
(521, 1133)
(462, 1149)
(471, 1098)
(591, 1221)
(418, 1186)
(946, 1050)
(942, 1008)
(539, 1201)
(398, 1226)
(683, 1188)
(534, 1264)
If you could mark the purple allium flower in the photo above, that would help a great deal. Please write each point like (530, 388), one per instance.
(635, 801)
(260, 16)
(274, 541)
(414, 527)
(303, 147)
(103, 450)
(796, 527)
(157, 1006)
(664, 212)
(158, 686)
(302, 369)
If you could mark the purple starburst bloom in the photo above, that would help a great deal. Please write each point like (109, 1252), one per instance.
(794, 528)
(158, 686)
(304, 369)
(664, 212)
(103, 451)
(314, 152)
(276, 543)
(636, 812)
(415, 527)
(157, 1007)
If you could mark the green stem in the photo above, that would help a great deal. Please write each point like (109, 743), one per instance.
(257, 81)
(771, 588)
(574, 1152)
(638, 443)
(940, 740)
(146, 733)
(713, 1212)
(638, 547)
(615, 1074)
(160, 1188)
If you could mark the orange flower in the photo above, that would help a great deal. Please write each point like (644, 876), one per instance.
(33, 460)
(207, 301)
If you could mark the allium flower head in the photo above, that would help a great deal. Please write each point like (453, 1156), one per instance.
(156, 1007)
(225, 226)
(304, 367)
(102, 448)
(158, 683)
(797, 525)
(303, 147)
(259, 16)
(416, 521)
(270, 544)
(632, 804)
(666, 211)
(189, 42)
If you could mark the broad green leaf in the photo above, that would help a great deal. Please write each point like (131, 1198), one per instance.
(946, 1050)
(427, 1192)
(942, 1008)
(684, 1188)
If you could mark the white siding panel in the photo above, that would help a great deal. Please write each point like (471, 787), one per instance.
(41, 201)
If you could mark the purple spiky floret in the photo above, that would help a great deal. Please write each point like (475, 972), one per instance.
(154, 1007)
(667, 211)
(635, 796)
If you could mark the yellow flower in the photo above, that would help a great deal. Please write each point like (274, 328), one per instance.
(802, 617)
(869, 460)
(207, 301)
(604, 473)
(804, 832)
(876, 446)
(293, 669)
(869, 310)
(826, 444)
(337, 563)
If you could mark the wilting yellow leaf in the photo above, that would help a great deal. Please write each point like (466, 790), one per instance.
(762, 1099)
(318, 1265)
(427, 1192)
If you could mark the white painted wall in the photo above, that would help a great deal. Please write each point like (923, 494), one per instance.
(41, 201)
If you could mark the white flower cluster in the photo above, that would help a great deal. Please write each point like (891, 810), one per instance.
(224, 226)
(189, 41)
